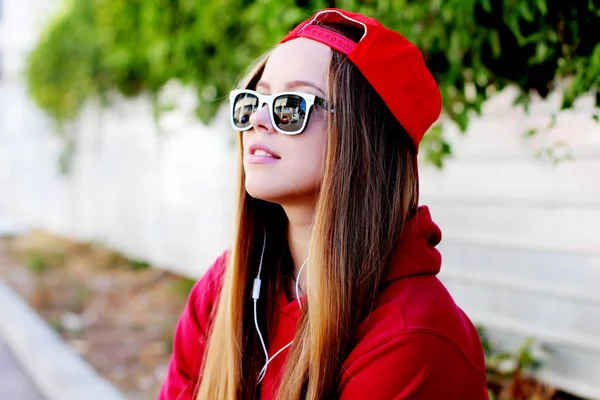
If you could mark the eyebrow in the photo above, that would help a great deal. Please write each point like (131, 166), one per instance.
(293, 84)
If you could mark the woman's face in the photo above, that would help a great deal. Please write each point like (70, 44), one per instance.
(293, 171)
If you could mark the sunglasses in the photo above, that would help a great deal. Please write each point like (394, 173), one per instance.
(289, 111)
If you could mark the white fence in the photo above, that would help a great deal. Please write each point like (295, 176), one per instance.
(522, 236)
(521, 240)
(164, 197)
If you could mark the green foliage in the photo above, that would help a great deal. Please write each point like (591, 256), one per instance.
(56, 324)
(182, 286)
(63, 68)
(36, 262)
(507, 371)
(39, 260)
(557, 153)
(137, 265)
(435, 147)
(118, 260)
(472, 47)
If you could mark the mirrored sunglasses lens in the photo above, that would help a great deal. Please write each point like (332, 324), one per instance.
(244, 105)
(289, 112)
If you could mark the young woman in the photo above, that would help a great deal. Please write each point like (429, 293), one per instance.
(330, 289)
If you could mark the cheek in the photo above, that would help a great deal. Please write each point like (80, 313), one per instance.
(320, 147)
(317, 146)
(243, 137)
(309, 157)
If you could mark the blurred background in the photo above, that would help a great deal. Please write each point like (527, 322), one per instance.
(117, 170)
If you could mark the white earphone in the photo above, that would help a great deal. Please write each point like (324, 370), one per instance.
(255, 296)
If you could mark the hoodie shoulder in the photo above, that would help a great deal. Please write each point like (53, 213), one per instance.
(410, 313)
(205, 293)
(413, 364)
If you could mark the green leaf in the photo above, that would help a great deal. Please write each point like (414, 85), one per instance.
(494, 40)
(486, 5)
(435, 147)
(530, 132)
(567, 100)
(542, 7)
(512, 22)
(454, 52)
(462, 120)
(552, 123)
(542, 53)
(524, 10)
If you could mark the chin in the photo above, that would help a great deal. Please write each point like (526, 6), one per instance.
(275, 189)
(280, 195)
(263, 192)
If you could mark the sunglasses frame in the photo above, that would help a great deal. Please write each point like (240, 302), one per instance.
(269, 99)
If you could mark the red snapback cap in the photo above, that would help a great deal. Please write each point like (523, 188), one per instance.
(392, 65)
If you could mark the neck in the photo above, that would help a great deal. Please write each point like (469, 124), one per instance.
(300, 219)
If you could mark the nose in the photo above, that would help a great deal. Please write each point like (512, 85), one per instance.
(260, 120)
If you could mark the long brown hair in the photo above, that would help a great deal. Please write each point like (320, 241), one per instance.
(369, 189)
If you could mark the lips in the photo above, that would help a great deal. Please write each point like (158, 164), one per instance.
(259, 150)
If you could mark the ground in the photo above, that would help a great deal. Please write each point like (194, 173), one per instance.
(118, 314)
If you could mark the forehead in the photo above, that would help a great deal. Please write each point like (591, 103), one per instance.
(299, 59)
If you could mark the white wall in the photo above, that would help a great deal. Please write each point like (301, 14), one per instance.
(20, 24)
(521, 240)
(162, 196)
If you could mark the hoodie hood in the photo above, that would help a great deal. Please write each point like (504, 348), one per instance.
(415, 252)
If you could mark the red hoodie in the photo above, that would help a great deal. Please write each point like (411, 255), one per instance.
(416, 344)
